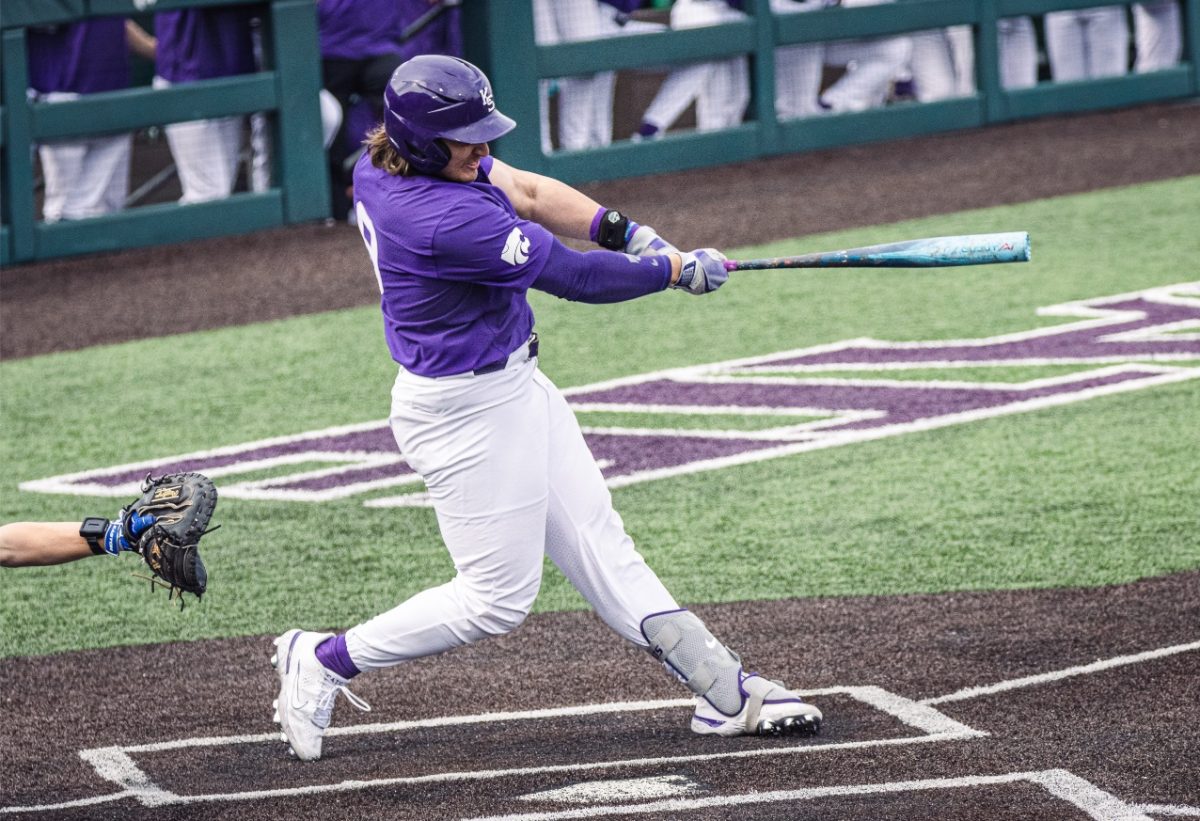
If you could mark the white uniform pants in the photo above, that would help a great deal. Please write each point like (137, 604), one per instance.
(720, 88)
(943, 61)
(1018, 52)
(871, 64)
(85, 177)
(512, 481)
(1088, 43)
(206, 154)
(1157, 35)
(585, 102)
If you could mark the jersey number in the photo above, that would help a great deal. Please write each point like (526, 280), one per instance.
(367, 228)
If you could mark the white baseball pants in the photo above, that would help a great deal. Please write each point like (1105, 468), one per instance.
(943, 61)
(512, 481)
(86, 176)
(720, 88)
(1088, 43)
(206, 154)
(1157, 35)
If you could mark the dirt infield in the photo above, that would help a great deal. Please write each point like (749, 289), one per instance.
(310, 268)
(1088, 706)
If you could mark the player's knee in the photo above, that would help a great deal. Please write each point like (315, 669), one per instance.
(498, 610)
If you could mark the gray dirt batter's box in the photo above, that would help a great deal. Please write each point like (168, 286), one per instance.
(252, 767)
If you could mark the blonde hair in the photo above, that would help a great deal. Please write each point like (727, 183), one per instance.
(384, 155)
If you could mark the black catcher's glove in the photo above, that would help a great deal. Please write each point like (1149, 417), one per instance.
(182, 505)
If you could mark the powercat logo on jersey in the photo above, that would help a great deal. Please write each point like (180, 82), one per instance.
(516, 248)
(1119, 343)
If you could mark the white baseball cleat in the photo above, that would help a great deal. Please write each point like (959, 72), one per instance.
(768, 708)
(307, 690)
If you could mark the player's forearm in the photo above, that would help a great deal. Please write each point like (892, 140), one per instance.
(561, 209)
(25, 544)
(602, 277)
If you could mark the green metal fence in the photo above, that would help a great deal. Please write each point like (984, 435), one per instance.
(499, 36)
(505, 29)
(286, 90)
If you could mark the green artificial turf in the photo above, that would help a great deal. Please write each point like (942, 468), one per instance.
(1097, 492)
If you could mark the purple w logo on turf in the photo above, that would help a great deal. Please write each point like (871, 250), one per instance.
(781, 404)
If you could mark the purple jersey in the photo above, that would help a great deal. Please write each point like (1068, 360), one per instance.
(454, 262)
(442, 35)
(201, 44)
(84, 57)
(354, 29)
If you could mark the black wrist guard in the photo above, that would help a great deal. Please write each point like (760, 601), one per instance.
(611, 234)
(92, 530)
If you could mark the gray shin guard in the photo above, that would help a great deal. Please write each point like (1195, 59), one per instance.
(708, 668)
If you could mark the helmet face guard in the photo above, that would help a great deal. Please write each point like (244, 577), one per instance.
(433, 97)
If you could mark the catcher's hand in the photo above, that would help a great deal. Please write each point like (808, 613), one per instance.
(181, 505)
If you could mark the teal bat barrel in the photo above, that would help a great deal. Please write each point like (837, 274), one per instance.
(931, 252)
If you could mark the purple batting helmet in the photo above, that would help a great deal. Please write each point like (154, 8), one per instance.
(432, 97)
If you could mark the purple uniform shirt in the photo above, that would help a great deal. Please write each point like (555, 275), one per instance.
(454, 262)
(84, 57)
(201, 44)
(355, 29)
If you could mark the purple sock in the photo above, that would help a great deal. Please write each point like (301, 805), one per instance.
(333, 654)
(647, 130)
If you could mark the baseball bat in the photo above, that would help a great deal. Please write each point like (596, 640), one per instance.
(931, 252)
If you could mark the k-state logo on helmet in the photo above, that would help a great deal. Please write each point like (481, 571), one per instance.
(489, 100)
(516, 248)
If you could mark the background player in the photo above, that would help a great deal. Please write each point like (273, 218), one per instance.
(871, 64)
(720, 88)
(456, 238)
(943, 60)
(203, 44)
(84, 176)
(1157, 35)
(1087, 43)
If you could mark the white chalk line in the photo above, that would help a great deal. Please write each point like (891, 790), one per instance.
(1060, 783)
(1169, 809)
(115, 764)
(1059, 675)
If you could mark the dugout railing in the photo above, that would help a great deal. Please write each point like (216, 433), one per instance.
(286, 90)
(499, 35)
(506, 33)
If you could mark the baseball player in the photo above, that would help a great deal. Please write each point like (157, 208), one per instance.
(28, 544)
(1157, 35)
(585, 102)
(203, 44)
(1087, 43)
(362, 42)
(720, 88)
(84, 176)
(871, 64)
(943, 60)
(456, 238)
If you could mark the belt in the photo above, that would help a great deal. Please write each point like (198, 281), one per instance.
(531, 345)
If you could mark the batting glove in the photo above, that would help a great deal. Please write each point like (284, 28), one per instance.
(641, 240)
(124, 533)
(702, 271)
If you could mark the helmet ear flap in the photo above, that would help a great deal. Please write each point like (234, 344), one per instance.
(429, 157)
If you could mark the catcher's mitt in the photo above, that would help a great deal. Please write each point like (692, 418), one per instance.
(182, 505)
